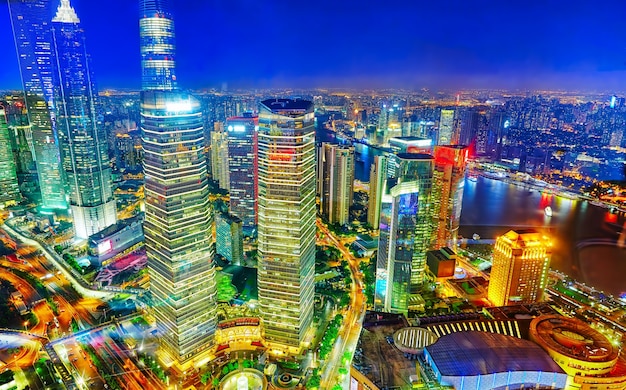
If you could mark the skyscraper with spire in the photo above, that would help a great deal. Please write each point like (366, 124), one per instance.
(84, 148)
(31, 22)
(178, 219)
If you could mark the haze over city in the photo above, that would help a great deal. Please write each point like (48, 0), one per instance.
(576, 45)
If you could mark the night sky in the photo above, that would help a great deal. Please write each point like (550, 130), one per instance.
(513, 44)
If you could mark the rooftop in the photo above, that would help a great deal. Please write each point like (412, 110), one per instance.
(287, 104)
(481, 353)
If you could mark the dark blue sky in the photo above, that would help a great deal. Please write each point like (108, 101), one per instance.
(455, 44)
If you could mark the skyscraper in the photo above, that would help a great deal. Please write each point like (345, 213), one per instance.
(178, 224)
(446, 127)
(405, 232)
(286, 220)
(447, 193)
(31, 21)
(378, 175)
(242, 161)
(219, 158)
(521, 261)
(335, 181)
(9, 188)
(84, 148)
(158, 46)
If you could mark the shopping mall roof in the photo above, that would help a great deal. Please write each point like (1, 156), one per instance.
(482, 353)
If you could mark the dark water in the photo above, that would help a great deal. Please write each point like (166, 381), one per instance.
(585, 236)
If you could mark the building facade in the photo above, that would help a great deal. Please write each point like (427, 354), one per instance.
(229, 238)
(287, 228)
(83, 141)
(242, 168)
(378, 175)
(521, 261)
(178, 218)
(446, 127)
(335, 181)
(32, 31)
(405, 232)
(447, 193)
(9, 187)
(219, 159)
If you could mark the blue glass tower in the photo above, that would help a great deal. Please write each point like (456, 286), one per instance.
(31, 22)
(84, 149)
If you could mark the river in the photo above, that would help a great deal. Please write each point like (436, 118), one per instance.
(585, 236)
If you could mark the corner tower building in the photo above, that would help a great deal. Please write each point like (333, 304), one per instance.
(286, 145)
(178, 220)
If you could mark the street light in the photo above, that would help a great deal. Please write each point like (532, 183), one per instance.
(26, 325)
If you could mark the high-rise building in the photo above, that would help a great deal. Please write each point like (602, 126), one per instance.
(219, 158)
(335, 181)
(446, 127)
(178, 218)
(32, 30)
(521, 261)
(286, 267)
(242, 168)
(83, 141)
(405, 232)
(447, 193)
(158, 46)
(9, 188)
(378, 175)
(229, 238)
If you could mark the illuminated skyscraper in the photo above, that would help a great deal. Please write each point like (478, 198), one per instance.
(178, 224)
(219, 158)
(242, 160)
(405, 232)
(378, 175)
(521, 261)
(335, 181)
(84, 148)
(9, 188)
(158, 47)
(31, 21)
(447, 193)
(286, 220)
(446, 127)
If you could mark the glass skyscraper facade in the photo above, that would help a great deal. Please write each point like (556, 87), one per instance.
(406, 225)
(242, 167)
(9, 188)
(335, 181)
(178, 219)
(286, 267)
(446, 127)
(157, 38)
(84, 149)
(32, 30)
(447, 193)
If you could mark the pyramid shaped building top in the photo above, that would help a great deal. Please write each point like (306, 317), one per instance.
(66, 13)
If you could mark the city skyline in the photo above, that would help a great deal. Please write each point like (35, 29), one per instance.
(477, 45)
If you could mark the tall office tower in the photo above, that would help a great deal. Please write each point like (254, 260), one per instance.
(32, 30)
(378, 175)
(405, 232)
(158, 46)
(286, 220)
(242, 168)
(219, 159)
(446, 127)
(178, 217)
(83, 141)
(9, 188)
(521, 261)
(335, 181)
(447, 193)
(229, 237)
